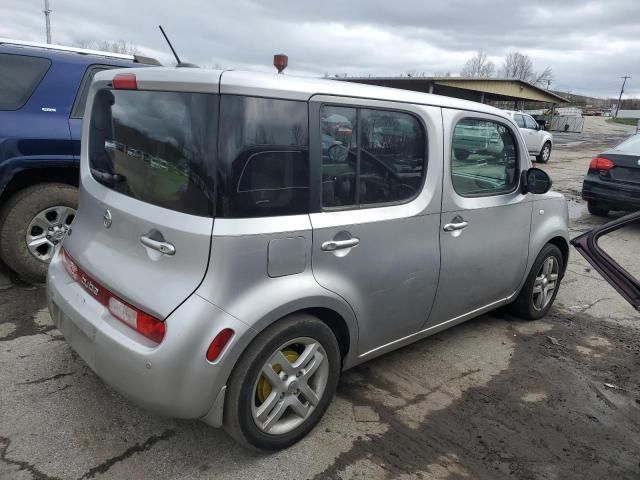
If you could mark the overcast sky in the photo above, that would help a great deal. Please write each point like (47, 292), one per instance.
(588, 44)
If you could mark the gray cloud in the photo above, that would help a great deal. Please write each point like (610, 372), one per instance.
(589, 44)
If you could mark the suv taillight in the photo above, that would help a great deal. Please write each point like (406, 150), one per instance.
(601, 163)
(135, 318)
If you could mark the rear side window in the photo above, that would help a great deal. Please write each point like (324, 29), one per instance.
(19, 77)
(484, 158)
(370, 156)
(81, 98)
(157, 147)
(263, 157)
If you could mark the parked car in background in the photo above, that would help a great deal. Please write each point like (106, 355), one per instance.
(345, 227)
(613, 179)
(539, 141)
(43, 90)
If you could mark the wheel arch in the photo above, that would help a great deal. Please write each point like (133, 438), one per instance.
(26, 177)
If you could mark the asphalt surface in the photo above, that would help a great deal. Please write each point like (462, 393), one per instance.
(494, 398)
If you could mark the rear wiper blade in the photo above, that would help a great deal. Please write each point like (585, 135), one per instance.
(111, 178)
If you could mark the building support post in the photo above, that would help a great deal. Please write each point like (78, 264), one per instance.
(481, 97)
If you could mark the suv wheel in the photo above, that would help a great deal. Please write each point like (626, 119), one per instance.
(32, 223)
(283, 383)
(540, 289)
(595, 209)
(545, 153)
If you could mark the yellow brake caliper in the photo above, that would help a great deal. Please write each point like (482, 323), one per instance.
(264, 387)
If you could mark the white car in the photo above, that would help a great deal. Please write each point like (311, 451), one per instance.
(539, 142)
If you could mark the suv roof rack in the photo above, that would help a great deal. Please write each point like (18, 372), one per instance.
(81, 51)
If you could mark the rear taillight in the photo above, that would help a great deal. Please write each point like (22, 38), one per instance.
(601, 163)
(218, 344)
(135, 318)
(125, 81)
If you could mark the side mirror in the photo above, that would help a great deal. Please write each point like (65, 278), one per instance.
(535, 181)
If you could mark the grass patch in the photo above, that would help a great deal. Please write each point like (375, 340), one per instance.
(623, 121)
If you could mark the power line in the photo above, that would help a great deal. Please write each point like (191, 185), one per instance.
(47, 14)
(624, 81)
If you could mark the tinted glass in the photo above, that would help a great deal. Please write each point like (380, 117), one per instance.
(519, 120)
(157, 147)
(484, 158)
(19, 77)
(339, 156)
(392, 156)
(530, 122)
(263, 157)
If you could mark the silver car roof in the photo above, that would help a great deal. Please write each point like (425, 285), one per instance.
(284, 86)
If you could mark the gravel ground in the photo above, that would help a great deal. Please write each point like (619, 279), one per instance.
(494, 398)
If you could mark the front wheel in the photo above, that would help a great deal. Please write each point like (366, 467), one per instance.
(32, 223)
(545, 153)
(540, 289)
(283, 384)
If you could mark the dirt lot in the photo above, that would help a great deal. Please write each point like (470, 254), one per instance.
(493, 398)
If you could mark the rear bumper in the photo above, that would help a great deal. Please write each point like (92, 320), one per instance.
(173, 378)
(616, 195)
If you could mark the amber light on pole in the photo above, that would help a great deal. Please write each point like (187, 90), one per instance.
(280, 61)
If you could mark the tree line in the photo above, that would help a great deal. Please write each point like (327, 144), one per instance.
(516, 65)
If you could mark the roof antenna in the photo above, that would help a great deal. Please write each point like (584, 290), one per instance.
(180, 62)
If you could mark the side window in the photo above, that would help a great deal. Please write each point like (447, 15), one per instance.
(81, 98)
(484, 158)
(530, 122)
(19, 77)
(263, 165)
(519, 120)
(370, 156)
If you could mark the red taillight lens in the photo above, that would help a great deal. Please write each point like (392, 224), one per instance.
(600, 163)
(135, 318)
(125, 81)
(218, 344)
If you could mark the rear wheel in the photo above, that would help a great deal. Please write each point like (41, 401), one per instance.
(540, 289)
(545, 153)
(595, 209)
(283, 384)
(32, 223)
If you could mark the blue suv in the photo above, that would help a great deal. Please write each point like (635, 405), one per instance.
(43, 90)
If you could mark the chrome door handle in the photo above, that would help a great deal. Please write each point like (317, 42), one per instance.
(163, 247)
(333, 245)
(452, 227)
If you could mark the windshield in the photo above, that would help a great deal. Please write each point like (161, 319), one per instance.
(157, 147)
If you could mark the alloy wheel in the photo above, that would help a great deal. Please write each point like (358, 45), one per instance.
(47, 229)
(289, 386)
(545, 283)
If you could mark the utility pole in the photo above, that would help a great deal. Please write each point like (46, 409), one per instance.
(624, 81)
(47, 13)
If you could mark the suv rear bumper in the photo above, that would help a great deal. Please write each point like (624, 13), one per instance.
(615, 195)
(173, 378)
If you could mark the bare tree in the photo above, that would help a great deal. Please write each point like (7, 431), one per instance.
(119, 46)
(519, 66)
(478, 66)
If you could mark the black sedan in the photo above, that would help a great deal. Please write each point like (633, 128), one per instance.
(613, 179)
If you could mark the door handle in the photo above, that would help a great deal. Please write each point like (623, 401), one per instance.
(162, 247)
(333, 245)
(452, 227)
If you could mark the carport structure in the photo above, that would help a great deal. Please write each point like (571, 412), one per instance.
(502, 92)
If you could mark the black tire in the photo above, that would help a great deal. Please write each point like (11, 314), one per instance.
(461, 154)
(595, 209)
(543, 156)
(16, 216)
(523, 305)
(238, 419)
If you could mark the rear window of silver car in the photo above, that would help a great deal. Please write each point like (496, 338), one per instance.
(157, 147)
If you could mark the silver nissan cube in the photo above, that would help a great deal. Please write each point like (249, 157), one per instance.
(243, 238)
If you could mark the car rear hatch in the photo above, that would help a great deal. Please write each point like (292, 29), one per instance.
(145, 217)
